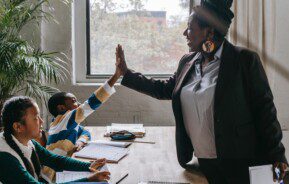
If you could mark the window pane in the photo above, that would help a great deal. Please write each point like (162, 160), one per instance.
(149, 30)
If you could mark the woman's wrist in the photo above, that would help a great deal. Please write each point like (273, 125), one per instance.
(116, 75)
(125, 72)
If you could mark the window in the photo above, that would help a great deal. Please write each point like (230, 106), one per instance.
(149, 30)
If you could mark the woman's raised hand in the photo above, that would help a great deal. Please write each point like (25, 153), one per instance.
(120, 64)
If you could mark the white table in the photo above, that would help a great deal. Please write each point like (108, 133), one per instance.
(150, 162)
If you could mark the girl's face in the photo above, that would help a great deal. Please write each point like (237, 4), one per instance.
(33, 123)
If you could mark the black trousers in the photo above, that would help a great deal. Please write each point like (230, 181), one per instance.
(226, 171)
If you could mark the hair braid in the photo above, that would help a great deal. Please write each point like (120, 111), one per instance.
(14, 110)
(8, 137)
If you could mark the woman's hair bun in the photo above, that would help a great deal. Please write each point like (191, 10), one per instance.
(229, 3)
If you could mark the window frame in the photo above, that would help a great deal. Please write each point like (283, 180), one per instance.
(81, 62)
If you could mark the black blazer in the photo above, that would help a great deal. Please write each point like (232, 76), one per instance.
(245, 121)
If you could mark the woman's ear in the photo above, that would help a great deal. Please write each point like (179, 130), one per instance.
(210, 33)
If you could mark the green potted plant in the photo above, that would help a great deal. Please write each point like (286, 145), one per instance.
(25, 69)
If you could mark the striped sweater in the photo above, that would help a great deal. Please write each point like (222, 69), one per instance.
(65, 129)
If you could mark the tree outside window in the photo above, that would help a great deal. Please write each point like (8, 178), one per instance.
(149, 30)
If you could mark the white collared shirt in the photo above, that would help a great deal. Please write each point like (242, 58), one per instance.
(197, 101)
(27, 151)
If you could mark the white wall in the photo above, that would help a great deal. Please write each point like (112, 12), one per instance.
(129, 106)
(280, 84)
(280, 73)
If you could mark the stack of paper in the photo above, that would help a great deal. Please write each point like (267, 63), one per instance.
(261, 174)
(67, 176)
(137, 129)
(95, 151)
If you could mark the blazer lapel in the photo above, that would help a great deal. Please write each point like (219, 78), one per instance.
(185, 72)
(226, 72)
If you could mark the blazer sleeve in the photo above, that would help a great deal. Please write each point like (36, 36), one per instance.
(159, 89)
(267, 125)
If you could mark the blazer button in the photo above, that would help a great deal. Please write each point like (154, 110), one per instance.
(218, 120)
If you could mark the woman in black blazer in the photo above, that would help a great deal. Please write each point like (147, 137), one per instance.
(222, 102)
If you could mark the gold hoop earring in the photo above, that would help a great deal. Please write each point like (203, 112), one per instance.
(208, 46)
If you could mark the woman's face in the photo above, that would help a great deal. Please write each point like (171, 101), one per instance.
(195, 35)
(33, 123)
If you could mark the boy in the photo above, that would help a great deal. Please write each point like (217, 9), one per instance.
(65, 135)
(65, 132)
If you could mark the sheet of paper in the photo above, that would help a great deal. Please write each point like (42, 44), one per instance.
(67, 176)
(261, 175)
(96, 151)
(62, 177)
(103, 168)
(128, 127)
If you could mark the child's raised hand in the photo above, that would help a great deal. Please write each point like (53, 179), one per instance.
(99, 176)
(96, 164)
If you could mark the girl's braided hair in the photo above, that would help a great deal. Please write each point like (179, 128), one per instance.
(14, 110)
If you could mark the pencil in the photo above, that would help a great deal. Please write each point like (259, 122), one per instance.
(134, 141)
(122, 178)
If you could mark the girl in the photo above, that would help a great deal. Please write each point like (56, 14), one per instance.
(21, 157)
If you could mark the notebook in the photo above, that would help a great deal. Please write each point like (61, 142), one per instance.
(95, 151)
(137, 129)
(66, 176)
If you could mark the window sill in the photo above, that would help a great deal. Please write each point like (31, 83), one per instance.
(93, 84)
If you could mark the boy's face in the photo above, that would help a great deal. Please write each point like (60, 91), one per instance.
(71, 102)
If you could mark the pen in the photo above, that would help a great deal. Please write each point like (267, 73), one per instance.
(122, 178)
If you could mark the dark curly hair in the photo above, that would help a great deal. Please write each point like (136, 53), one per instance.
(220, 9)
(54, 101)
(14, 110)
